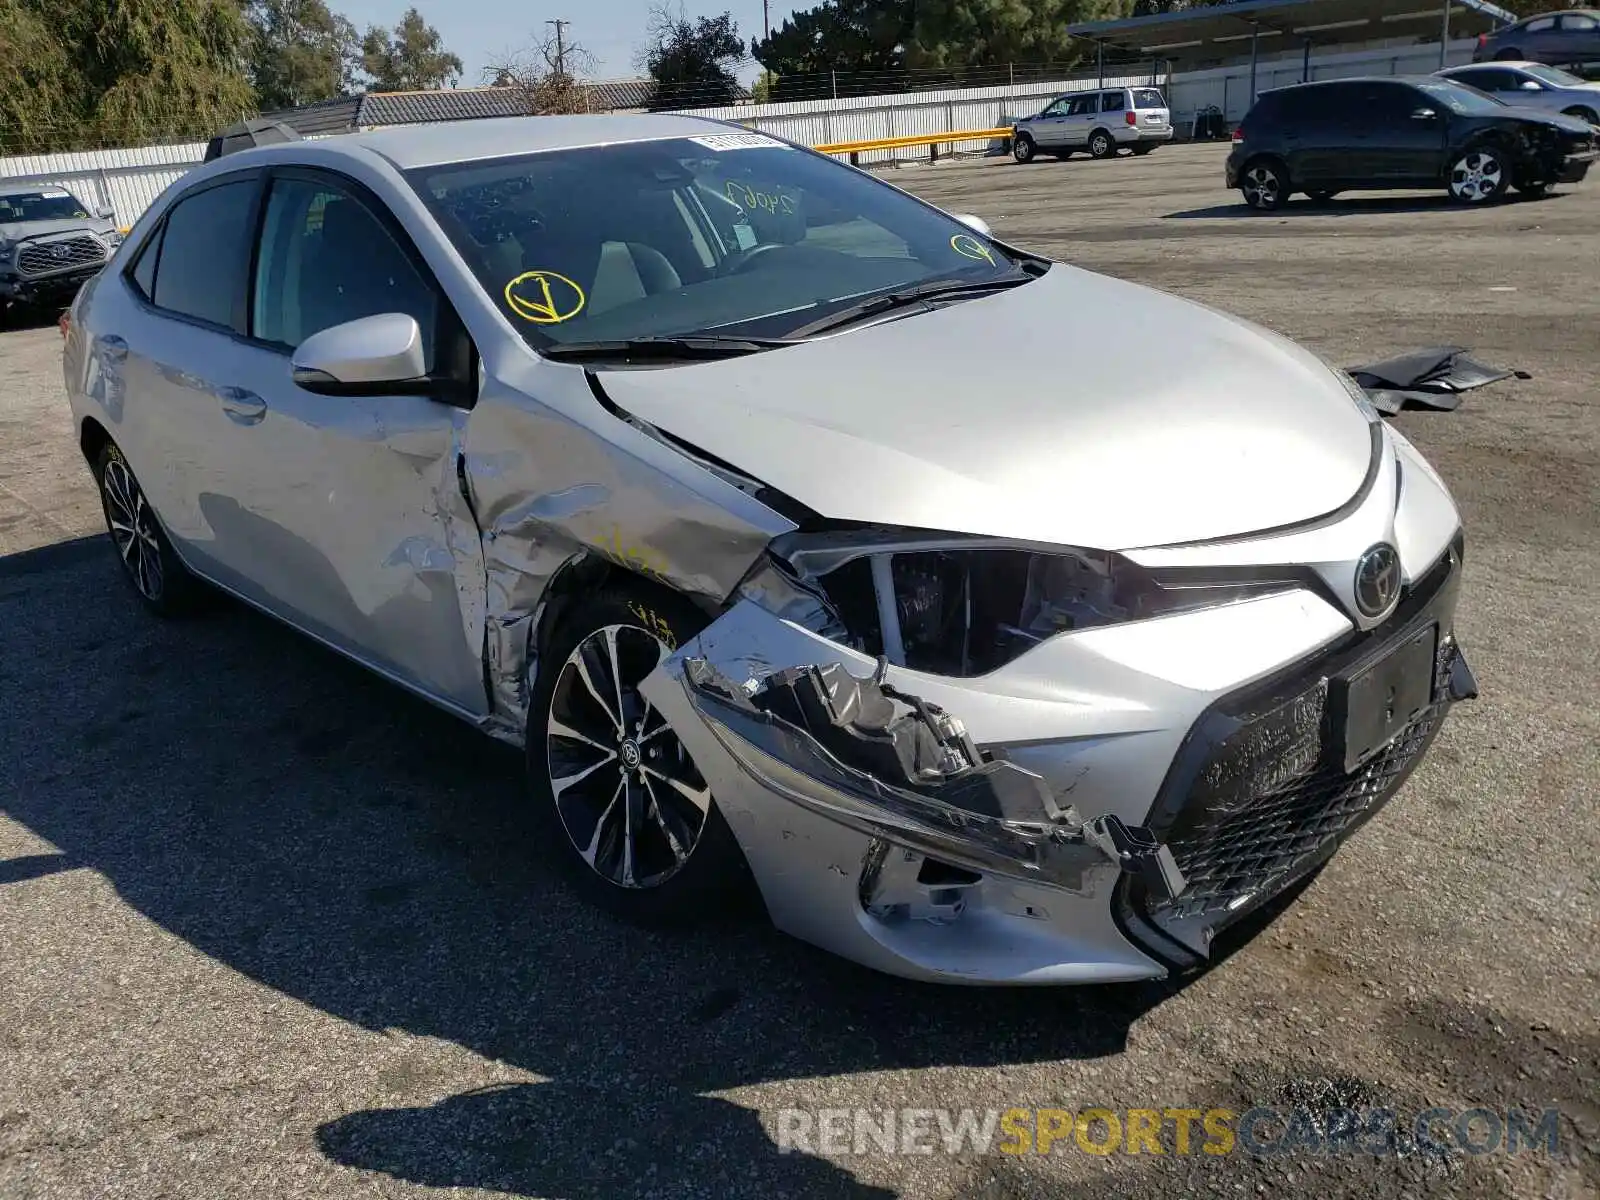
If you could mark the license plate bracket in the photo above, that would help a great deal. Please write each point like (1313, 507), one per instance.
(1375, 702)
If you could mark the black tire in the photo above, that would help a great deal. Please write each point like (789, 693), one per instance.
(1101, 145)
(1264, 184)
(1061, 155)
(1321, 197)
(639, 876)
(1583, 114)
(1023, 148)
(149, 564)
(1534, 191)
(1478, 174)
(1142, 148)
(1508, 56)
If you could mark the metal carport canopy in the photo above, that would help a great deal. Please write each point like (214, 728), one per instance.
(1197, 35)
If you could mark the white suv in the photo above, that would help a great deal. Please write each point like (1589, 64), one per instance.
(1099, 122)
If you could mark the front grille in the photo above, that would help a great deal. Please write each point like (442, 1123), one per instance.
(1255, 849)
(46, 258)
(1259, 795)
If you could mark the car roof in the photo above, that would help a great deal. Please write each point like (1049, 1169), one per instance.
(500, 137)
(1322, 83)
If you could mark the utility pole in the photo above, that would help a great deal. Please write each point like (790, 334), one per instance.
(766, 36)
(561, 49)
(1444, 38)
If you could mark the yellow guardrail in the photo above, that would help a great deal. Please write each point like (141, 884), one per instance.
(917, 139)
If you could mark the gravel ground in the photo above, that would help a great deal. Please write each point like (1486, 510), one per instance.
(270, 928)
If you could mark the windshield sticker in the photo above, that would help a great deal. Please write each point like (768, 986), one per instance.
(544, 297)
(968, 246)
(747, 197)
(54, 195)
(738, 141)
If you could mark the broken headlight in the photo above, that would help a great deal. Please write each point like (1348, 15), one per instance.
(966, 606)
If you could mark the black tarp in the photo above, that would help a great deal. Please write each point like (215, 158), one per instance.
(1432, 378)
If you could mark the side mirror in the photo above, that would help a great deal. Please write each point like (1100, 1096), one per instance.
(974, 223)
(106, 213)
(377, 354)
(1531, 85)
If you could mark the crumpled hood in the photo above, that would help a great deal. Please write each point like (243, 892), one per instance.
(1077, 410)
(17, 230)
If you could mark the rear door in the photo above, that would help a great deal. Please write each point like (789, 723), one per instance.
(348, 509)
(172, 352)
(1317, 127)
(1083, 112)
(1540, 40)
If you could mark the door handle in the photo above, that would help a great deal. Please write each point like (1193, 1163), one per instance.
(113, 348)
(243, 407)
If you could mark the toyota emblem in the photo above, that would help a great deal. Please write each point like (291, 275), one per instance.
(1377, 580)
(58, 251)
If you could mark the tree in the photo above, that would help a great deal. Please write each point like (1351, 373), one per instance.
(121, 72)
(547, 72)
(409, 57)
(969, 33)
(692, 62)
(301, 52)
(859, 44)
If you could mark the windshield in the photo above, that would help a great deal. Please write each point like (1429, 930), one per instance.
(1461, 98)
(55, 205)
(732, 234)
(1553, 75)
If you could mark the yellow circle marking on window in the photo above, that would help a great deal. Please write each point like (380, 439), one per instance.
(544, 297)
(968, 246)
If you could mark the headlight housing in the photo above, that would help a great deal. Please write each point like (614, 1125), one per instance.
(112, 238)
(964, 606)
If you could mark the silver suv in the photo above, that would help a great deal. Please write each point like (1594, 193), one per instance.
(1100, 122)
(50, 243)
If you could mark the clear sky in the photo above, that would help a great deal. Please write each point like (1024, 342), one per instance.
(611, 30)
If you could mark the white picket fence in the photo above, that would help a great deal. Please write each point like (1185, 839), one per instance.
(129, 180)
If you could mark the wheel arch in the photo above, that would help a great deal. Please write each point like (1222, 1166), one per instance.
(93, 437)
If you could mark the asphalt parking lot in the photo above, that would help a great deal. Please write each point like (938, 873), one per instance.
(268, 928)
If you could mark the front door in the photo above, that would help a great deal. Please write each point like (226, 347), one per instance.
(1049, 127)
(1404, 137)
(348, 508)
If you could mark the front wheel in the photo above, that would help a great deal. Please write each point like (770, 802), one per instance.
(1101, 145)
(1264, 186)
(1478, 176)
(1023, 148)
(621, 803)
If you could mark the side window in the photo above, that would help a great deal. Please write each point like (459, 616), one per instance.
(1113, 102)
(1391, 103)
(1581, 21)
(1058, 108)
(326, 259)
(1081, 105)
(1540, 25)
(144, 268)
(203, 253)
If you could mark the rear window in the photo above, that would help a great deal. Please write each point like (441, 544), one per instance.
(1148, 98)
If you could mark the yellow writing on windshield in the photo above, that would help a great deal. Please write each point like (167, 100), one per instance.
(776, 203)
(968, 246)
(544, 297)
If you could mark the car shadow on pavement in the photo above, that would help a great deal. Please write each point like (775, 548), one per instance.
(313, 828)
(1351, 205)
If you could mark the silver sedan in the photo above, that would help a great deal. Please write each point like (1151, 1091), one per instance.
(1532, 85)
(682, 457)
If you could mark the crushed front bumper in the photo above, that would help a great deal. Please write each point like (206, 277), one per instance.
(1138, 753)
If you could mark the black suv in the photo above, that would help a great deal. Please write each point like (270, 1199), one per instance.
(1401, 132)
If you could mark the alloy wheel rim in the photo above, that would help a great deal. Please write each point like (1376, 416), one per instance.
(132, 528)
(1261, 186)
(628, 795)
(1021, 148)
(1101, 144)
(1476, 176)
